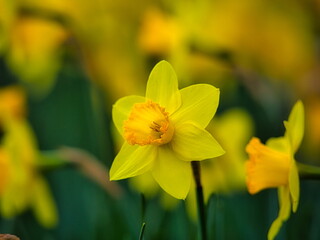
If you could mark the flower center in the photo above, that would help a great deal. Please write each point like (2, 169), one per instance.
(148, 123)
(266, 168)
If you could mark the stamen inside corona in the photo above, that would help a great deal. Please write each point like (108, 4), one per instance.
(148, 123)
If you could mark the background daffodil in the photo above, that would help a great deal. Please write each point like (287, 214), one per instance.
(273, 165)
(21, 185)
(164, 131)
(226, 175)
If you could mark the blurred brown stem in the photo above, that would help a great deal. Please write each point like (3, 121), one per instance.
(92, 168)
(8, 237)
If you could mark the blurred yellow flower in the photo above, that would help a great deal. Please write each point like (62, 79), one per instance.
(287, 36)
(21, 186)
(145, 184)
(32, 56)
(4, 169)
(233, 27)
(232, 129)
(7, 15)
(160, 34)
(103, 34)
(273, 165)
(12, 103)
(164, 131)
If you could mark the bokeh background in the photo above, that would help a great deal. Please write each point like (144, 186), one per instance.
(64, 63)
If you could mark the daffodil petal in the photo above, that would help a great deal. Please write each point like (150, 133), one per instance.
(294, 185)
(122, 108)
(274, 229)
(279, 144)
(43, 204)
(295, 126)
(195, 143)
(132, 161)
(172, 174)
(198, 104)
(284, 202)
(284, 212)
(162, 87)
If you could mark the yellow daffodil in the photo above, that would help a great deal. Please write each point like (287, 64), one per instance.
(273, 165)
(21, 185)
(164, 131)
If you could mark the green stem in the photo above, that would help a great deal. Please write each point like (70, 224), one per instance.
(308, 171)
(200, 200)
(142, 231)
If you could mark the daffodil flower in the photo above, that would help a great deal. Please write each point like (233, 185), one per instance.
(273, 165)
(21, 185)
(165, 130)
(35, 59)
